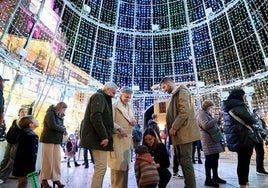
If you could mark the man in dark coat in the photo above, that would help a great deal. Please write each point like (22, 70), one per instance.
(258, 114)
(97, 129)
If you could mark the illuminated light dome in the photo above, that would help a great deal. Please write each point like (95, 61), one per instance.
(137, 42)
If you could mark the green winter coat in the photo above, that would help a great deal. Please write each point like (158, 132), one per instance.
(98, 122)
(181, 116)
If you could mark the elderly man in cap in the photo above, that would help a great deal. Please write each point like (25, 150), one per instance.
(2, 100)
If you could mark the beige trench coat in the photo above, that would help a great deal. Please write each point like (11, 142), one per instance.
(181, 116)
(120, 158)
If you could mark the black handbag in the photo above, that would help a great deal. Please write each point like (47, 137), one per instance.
(217, 136)
(257, 134)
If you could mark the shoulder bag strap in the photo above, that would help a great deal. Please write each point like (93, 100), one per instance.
(204, 130)
(202, 127)
(239, 120)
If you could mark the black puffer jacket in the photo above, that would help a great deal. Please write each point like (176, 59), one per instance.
(236, 133)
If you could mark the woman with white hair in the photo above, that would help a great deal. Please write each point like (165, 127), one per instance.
(119, 159)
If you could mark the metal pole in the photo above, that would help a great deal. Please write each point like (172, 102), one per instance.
(192, 57)
(235, 44)
(171, 43)
(52, 43)
(95, 42)
(133, 49)
(115, 40)
(254, 29)
(12, 89)
(39, 95)
(37, 17)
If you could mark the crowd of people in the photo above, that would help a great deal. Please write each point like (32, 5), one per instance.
(112, 135)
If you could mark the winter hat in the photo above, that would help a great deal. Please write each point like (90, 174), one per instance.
(237, 94)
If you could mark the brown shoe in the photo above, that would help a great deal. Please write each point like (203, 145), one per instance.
(44, 184)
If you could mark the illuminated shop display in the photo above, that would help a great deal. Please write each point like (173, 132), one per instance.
(220, 43)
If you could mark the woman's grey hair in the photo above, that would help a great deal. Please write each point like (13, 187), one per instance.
(110, 85)
(126, 89)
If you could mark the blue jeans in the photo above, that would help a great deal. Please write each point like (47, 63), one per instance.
(86, 156)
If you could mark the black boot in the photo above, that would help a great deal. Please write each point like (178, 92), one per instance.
(76, 164)
(211, 183)
(68, 165)
(219, 180)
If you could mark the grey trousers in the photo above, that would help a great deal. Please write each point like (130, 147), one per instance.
(6, 166)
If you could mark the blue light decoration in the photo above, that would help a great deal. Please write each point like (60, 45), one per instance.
(139, 59)
(126, 15)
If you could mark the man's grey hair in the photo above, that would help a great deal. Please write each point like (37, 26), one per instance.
(110, 85)
(126, 89)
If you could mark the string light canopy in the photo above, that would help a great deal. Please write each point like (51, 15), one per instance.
(214, 42)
